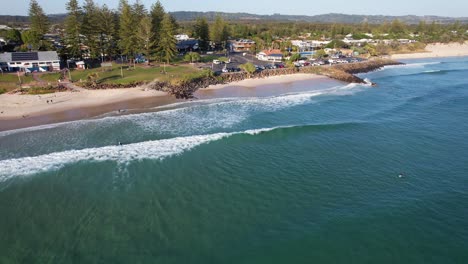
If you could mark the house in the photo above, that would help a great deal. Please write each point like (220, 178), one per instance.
(187, 45)
(242, 45)
(274, 55)
(32, 61)
(308, 45)
(181, 37)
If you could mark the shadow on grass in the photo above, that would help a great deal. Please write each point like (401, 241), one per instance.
(109, 78)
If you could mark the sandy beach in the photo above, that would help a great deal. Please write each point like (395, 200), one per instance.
(437, 50)
(14, 106)
(17, 111)
(269, 80)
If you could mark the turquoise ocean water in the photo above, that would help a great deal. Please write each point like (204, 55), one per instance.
(308, 176)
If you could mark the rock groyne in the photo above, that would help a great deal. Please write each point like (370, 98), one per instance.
(184, 89)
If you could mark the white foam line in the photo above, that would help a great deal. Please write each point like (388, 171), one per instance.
(148, 120)
(411, 65)
(155, 150)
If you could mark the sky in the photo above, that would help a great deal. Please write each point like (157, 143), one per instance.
(452, 8)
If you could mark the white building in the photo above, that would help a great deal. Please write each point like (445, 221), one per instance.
(308, 44)
(4, 27)
(32, 61)
(274, 55)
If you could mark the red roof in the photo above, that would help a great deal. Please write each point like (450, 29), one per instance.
(273, 51)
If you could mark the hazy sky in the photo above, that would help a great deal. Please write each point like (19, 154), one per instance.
(454, 8)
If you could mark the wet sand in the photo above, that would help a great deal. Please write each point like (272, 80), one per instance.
(77, 106)
(63, 115)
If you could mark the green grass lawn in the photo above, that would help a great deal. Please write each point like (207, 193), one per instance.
(13, 78)
(112, 75)
(140, 73)
(9, 81)
(50, 77)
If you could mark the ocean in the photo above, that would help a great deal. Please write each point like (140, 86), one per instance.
(313, 173)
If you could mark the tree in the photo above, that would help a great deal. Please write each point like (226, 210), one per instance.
(157, 14)
(73, 29)
(397, 27)
(14, 35)
(39, 22)
(167, 42)
(248, 67)
(174, 22)
(219, 30)
(30, 39)
(320, 54)
(295, 57)
(89, 27)
(335, 44)
(128, 39)
(146, 36)
(191, 57)
(202, 32)
(107, 28)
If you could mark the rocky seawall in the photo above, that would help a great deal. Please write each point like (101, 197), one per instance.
(184, 89)
(341, 72)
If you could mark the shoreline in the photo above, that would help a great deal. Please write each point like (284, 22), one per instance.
(438, 50)
(21, 111)
(278, 79)
(72, 106)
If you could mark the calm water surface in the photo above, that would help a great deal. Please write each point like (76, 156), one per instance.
(309, 175)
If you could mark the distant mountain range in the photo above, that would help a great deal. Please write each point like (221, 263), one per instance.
(325, 18)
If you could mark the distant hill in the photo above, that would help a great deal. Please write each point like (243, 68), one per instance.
(55, 18)
(325, 18)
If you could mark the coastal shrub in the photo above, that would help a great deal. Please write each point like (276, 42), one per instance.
(42, 90)
(208, 58)
(223, 59)
(3, 90)
(295, 57)
(248, 67)
(192, 57)
(336, 44)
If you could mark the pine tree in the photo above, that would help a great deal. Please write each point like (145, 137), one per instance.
(107, 26)
(146, 36)
(73, 29)
(175, 25)
(90, 26)
(219, 31)
(39, 22)
(202, 32)
(167, 42)
(157, 15)
(139, 11)
(128, 40)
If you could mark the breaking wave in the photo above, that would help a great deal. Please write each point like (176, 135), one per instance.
(201, 116)
(124, 154)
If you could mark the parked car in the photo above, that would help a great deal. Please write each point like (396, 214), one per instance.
(217, 61)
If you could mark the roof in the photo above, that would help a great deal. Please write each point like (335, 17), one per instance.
(29, 56)
(273, 52)
(185, 44)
